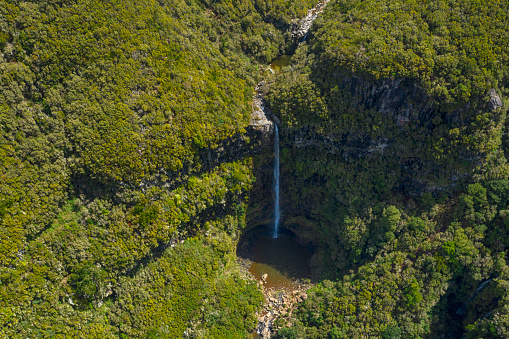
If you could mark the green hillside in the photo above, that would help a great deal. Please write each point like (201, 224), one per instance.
(105, 203)
(403, 104)
(124, 191)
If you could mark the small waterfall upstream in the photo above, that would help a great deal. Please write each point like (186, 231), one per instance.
(278, 261)
(277, 213)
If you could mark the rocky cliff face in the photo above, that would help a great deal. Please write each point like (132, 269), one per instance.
(405, 100)
(399, 140)
(262, 127)
(412, 123)
(380, 143)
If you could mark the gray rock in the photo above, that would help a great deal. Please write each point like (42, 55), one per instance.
(302, 30)
(495, 100)
(260, 115)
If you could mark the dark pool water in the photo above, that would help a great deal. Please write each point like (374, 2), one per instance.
(280, 62)
(283, 259)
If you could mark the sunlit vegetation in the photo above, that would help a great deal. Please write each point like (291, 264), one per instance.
(403, 177)
(112, 225)
(456, 48)
(115, 225)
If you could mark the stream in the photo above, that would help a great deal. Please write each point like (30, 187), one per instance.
(273, 251)
(277, 260)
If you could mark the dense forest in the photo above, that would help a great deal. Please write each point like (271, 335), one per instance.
(115, 222)
(112, 223)
(395, 116)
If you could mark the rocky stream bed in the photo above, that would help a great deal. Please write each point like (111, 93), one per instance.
(280, 298)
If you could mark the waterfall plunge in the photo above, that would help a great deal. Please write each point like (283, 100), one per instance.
(277, 214)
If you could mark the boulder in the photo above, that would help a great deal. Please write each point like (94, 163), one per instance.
(495, 101)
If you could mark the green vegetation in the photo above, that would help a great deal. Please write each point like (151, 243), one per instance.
(394, 161)
(116, 223)
(456, 48)
(412, 286)
(112, 223)
(258, 28)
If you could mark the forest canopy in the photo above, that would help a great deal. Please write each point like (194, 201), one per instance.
(457, 49)
(106, 112)
(124, 191)
(395, 143)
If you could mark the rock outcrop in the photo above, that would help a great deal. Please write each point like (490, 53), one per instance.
(261, 115)
(278, 304)
(404, 101)
(300, 32)
(495, 100)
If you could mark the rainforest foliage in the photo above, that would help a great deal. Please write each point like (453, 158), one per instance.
(116, 222)
(456, 48)
(394, 143)
(113, 221)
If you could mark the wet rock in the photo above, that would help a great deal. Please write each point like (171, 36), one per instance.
(278, 304)
(300, 33)
(260, 115)
(264, 277)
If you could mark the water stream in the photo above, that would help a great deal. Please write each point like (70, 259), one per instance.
(277, 213)
(278, 260)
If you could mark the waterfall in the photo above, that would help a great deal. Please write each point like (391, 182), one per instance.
(462, 310)
(482, 286)
(277, 214)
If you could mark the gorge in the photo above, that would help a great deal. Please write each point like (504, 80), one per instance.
(361, 190)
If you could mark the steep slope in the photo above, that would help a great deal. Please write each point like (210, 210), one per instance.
(393, 121)
(113, 180)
